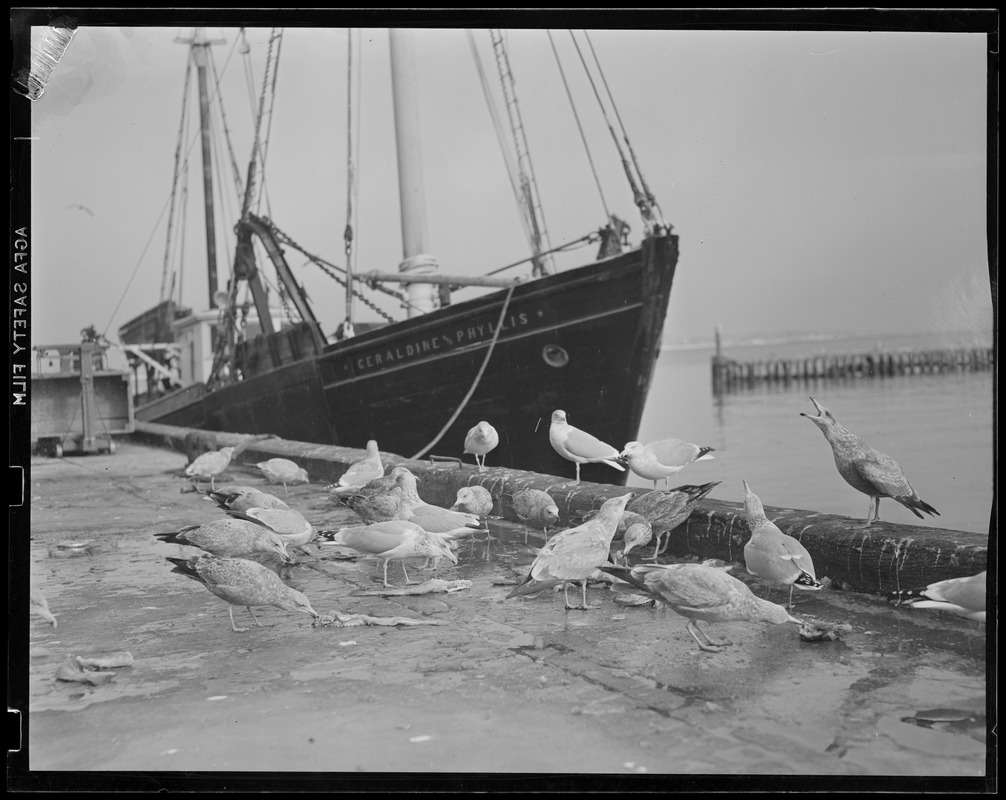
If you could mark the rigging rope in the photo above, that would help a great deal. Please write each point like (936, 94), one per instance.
(177, 174)
(478, 377)
(579, 127)
(638, 197)
(625, 135)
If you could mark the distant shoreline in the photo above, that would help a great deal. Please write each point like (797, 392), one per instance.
(901, 341)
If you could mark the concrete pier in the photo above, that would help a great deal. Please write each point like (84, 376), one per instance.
(885, 558)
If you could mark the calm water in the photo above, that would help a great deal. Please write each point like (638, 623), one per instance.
(938, 427)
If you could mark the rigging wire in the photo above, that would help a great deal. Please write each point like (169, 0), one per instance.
(511, 168)
(347, 236)
(651, 199)
(579, 127)
(529, 195)
(638, 197)
(175, 177)
(235, 169)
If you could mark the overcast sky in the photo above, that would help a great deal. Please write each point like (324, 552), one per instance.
(819, 181)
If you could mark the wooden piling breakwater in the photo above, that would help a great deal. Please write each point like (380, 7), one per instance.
(729, 373)
(884, 558)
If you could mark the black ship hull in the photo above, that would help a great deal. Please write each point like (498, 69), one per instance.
(585, 340)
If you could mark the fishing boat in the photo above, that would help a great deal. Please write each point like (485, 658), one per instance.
(584, 339)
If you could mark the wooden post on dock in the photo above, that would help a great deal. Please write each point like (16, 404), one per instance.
(719, 365)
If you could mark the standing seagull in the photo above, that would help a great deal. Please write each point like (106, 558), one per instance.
(534, 505)
(698, 592)
(867, 470)
(283, 470)
(228, 538)
(210, 465)
(395, 540)
(962, 596)
(361, 472)
(579, 446)
(773, 555)
(243, 583)
(230, 500)
(574, 554)
(662, 459)
(480, 440)
(666, 509)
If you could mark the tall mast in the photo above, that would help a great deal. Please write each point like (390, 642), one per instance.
(422, 297)
(200, 53)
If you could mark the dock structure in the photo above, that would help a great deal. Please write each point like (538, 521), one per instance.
(882, 559)
(731, 374)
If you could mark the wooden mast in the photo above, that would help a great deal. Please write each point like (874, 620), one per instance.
(421, 297)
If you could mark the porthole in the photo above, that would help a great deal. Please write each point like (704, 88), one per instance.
(554, 356)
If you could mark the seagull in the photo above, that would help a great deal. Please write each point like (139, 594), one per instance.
(480, 440)
(230, 500)
(962, 596)
(537, 507)
(378, 507)
(579, 446)
(698, 592)
(283, 470)
(243, 583)
(287, 523)
(867, 470)
(637, 534)
(228, 538)
(574, 554)
(434, 519)
(209, 465)
(394, 540)
(662, 459)
(39, 606)
(667, 509)
(773, 555)
(474, 500)
(360, 472)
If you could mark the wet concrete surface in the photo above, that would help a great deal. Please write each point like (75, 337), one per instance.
(499, 686)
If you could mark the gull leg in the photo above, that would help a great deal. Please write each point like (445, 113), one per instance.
(703, 641)
(386, 584)
(252, 612)
(565, 591)
(406, 574)
(869, 514)
(545, 531)
(790, 596)
(230, 610)
(586, 605)
(656, 549)
(876, 513)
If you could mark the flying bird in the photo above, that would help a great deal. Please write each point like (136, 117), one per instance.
(579, 446)
(666, 509)
(481, 440)
(962, 596)
(867, 470)
(243, 583)
(662, 459)
(773, 555)
(228, 538)
(537, 508)
(360, 472)
(394, 540)
(574, 554)
(209, 465)
(39, 606)
(698, 592)
(283, 470)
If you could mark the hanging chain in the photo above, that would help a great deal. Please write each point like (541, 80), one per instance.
(329, 270)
